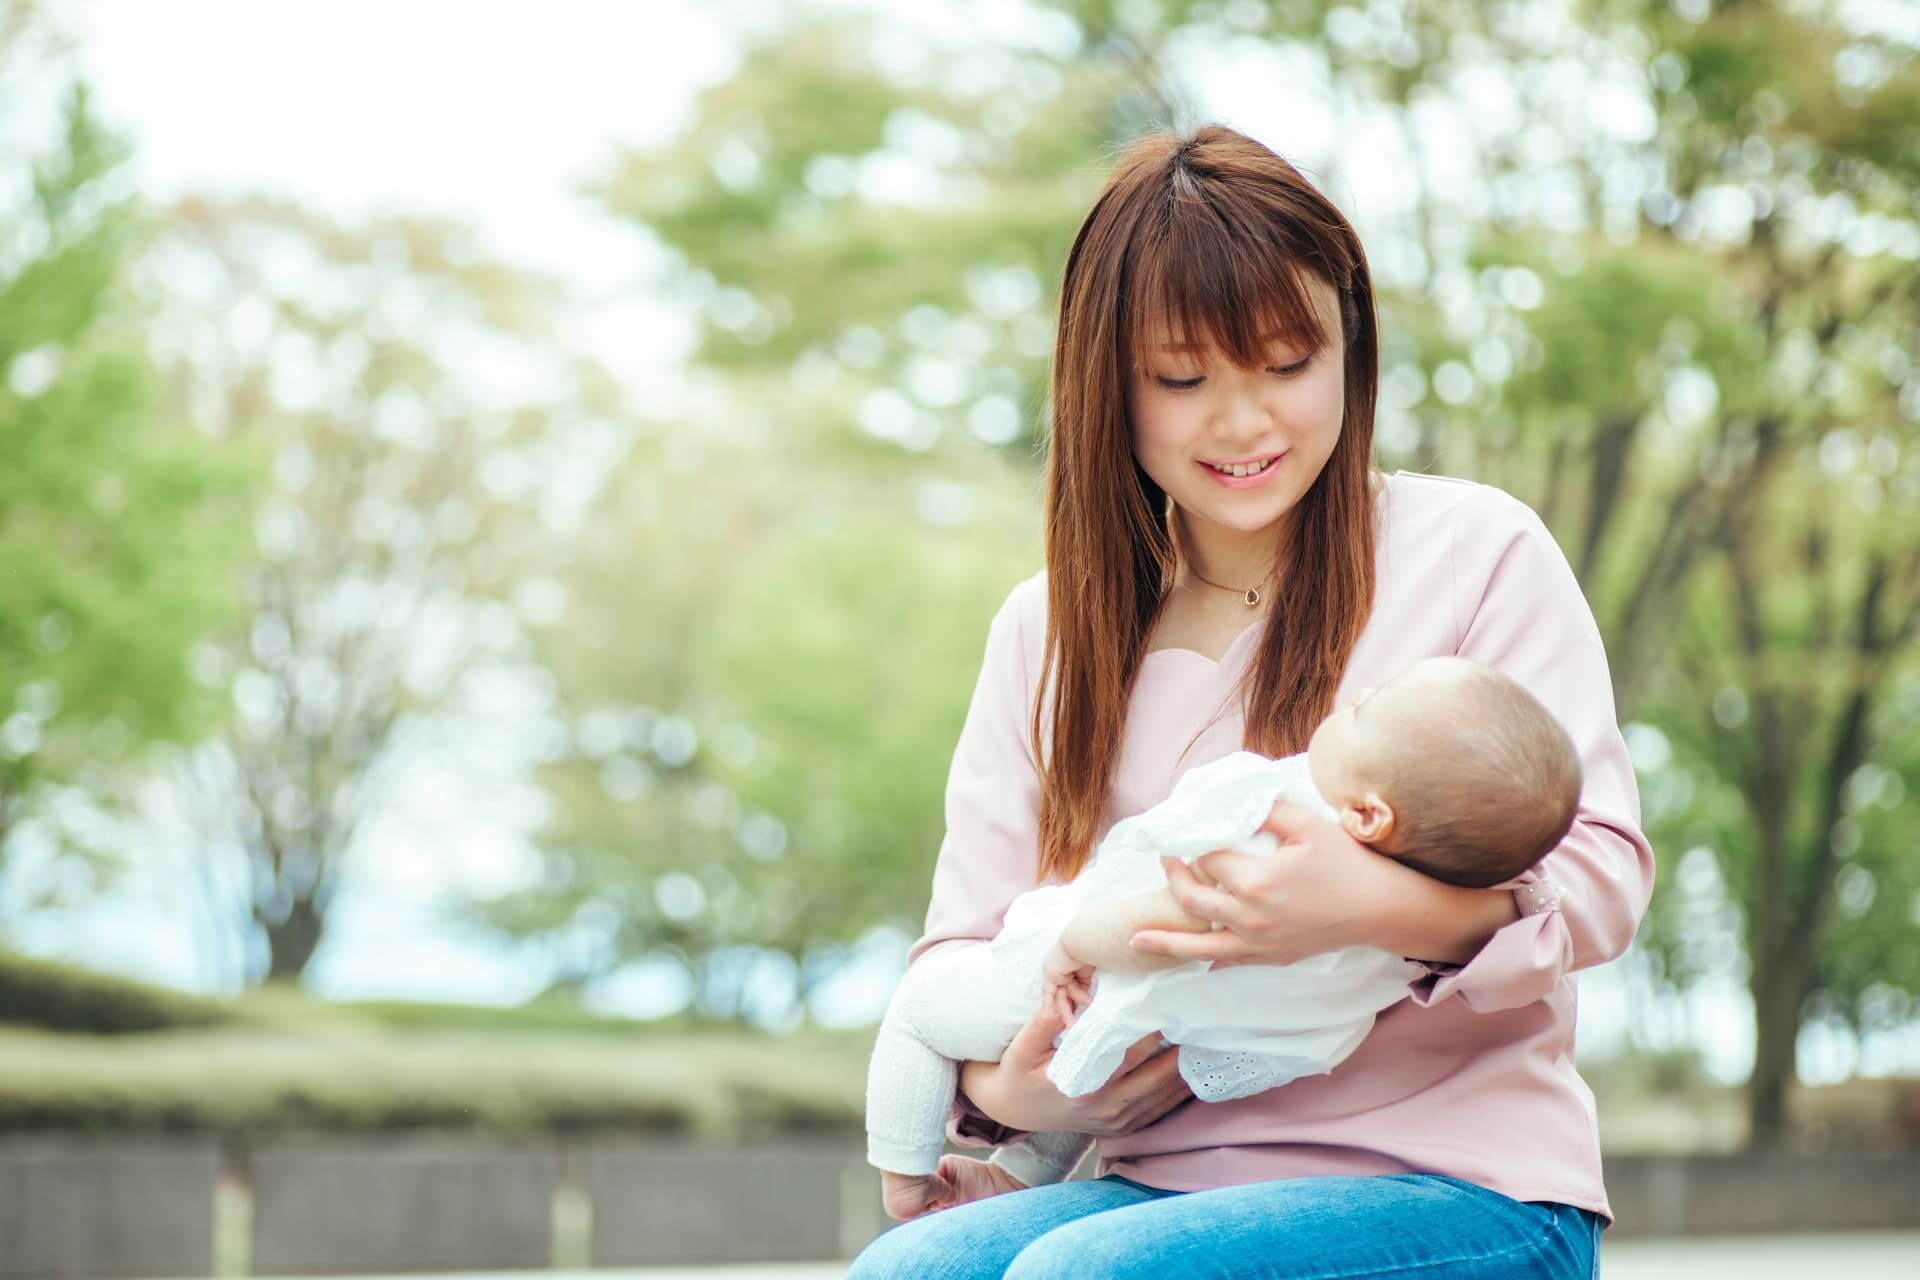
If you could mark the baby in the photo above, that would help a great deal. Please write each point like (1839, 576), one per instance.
(1450, 767)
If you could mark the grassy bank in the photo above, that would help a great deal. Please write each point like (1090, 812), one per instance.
(83, 1052)
(248, 1080)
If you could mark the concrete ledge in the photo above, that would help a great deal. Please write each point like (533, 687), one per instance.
(73, 1206)
(427, 1204)
(109, 1208)
(656, 1203)
(1763, 1194)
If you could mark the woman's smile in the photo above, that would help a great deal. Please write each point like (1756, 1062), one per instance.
(1250, 481)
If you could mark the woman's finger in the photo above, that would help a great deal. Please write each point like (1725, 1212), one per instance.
(1032, 1045)
(1221, 944)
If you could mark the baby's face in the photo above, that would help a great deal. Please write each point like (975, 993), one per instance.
(1344, 753)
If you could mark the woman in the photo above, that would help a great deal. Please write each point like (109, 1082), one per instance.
(1224, 568)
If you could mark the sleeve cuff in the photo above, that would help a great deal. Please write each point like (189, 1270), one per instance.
(1026, 1166)
(1534, 893)
(917, 1161)
(1518, 965)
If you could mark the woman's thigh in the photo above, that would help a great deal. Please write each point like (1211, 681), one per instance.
(1424, 1225)
(976, 1241)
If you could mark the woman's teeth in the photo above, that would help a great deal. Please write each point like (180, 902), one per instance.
(1244, 469)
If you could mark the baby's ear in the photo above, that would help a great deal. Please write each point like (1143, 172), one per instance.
(1369, 821)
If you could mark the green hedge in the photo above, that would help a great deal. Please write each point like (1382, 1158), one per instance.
(83, 1052)
(42, 993)
(240, 1081)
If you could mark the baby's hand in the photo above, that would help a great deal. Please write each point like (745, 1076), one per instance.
(1065, 983)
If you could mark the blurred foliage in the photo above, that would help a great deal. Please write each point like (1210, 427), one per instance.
(333, 1079)
(544, 1015)
(1721, 425)
(82, 1051)
(805, 197)
(57, 997)
(742, 792)
(118, 524)
(421, 420)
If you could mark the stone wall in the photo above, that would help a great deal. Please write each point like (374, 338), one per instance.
(121, 1207)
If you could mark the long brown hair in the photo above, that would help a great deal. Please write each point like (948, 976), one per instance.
(1213, 232)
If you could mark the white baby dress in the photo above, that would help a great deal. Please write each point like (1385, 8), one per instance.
(1242, 1029)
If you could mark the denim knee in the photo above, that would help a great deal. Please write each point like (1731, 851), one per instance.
(903, 1254)
(1068, 1251)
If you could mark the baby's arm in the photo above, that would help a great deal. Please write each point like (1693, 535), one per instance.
(1097, 936)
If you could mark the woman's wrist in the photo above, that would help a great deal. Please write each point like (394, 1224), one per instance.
(1427, 919)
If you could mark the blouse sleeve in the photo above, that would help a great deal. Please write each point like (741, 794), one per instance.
(1518, 608)
(989, 853)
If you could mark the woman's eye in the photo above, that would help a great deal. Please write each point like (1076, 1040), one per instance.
(1188, 384)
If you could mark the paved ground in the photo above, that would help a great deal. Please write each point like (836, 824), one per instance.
(1865, 1256)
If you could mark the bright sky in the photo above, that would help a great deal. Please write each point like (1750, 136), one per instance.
(486, 111)
(481, 109)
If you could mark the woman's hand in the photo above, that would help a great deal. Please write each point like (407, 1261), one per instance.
(1319, 891)
(1016, 1092)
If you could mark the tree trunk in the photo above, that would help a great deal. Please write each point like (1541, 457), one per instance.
(1611, 451)
(292, 942)
(1776, 1003)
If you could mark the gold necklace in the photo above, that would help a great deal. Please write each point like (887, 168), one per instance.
(1251, 595)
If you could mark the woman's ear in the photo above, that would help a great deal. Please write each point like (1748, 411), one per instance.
(1370, 821)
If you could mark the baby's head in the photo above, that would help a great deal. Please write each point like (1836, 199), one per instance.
(1452, 768)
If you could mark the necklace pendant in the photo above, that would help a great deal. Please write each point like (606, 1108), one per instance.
(1253, 597)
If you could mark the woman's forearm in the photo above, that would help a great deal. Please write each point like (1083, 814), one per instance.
(1428, 919)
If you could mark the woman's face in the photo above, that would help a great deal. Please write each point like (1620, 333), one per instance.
(1192, 409)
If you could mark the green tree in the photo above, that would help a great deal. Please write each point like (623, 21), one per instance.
(1705, 381)
(866, 248)
(421, 419)
(118, 524)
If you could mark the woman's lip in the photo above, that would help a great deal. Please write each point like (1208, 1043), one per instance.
(1253, 481)
(1240, 462)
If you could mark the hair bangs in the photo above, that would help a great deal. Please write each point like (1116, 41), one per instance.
(1200, 283)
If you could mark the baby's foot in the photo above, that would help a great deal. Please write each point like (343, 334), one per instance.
(908, 1195)
(970, 1179)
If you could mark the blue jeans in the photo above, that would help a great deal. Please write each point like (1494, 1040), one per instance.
(1404, 1224)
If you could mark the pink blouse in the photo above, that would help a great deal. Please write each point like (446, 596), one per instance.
(1473, 1076)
